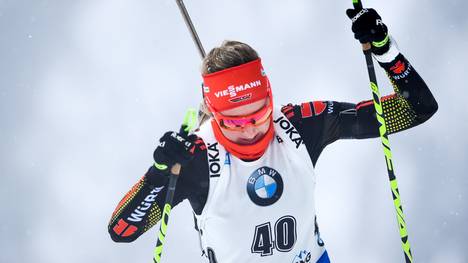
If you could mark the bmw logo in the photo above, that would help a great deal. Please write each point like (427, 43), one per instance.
(265, 186)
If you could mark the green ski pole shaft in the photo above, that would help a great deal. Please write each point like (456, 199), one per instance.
(190, 122)
(386, 146)
(175, 171)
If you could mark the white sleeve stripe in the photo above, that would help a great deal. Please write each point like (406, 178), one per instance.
(390, 55)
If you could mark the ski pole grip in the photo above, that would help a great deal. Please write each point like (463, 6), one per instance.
(357, 4)
(366, 46)
(175, 170)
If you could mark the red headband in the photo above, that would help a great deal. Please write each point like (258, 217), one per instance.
(236, 86)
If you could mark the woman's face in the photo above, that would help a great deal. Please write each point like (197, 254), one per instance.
(251, 133)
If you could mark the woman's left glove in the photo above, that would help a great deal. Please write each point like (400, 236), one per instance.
(369, 28)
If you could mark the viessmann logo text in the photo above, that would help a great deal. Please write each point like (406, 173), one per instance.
(232, 90)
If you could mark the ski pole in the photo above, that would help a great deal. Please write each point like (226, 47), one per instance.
(190, 121)
(366, 47)
(191, 28)
(202, 116)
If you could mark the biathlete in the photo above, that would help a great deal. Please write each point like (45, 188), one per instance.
(248, 171)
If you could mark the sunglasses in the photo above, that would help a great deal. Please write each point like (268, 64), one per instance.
(237, 123)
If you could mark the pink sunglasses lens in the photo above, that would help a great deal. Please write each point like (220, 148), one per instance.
(236, 122)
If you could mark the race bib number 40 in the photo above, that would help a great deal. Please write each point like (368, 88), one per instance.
(282, 237)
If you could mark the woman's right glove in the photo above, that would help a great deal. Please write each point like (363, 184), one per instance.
(369, 28)
(174, 148)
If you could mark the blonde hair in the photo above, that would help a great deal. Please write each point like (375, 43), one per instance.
(229, 54)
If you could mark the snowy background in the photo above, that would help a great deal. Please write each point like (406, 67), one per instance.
(87, 88)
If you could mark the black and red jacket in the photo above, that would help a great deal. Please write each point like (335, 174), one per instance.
(319, 123)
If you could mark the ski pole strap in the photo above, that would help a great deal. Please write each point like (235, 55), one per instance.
(357, 4)
(190, 120)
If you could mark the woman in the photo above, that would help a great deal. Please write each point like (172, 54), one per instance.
(252, 166)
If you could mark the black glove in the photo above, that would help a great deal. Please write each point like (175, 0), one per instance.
(369, 28)
(174, 148)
